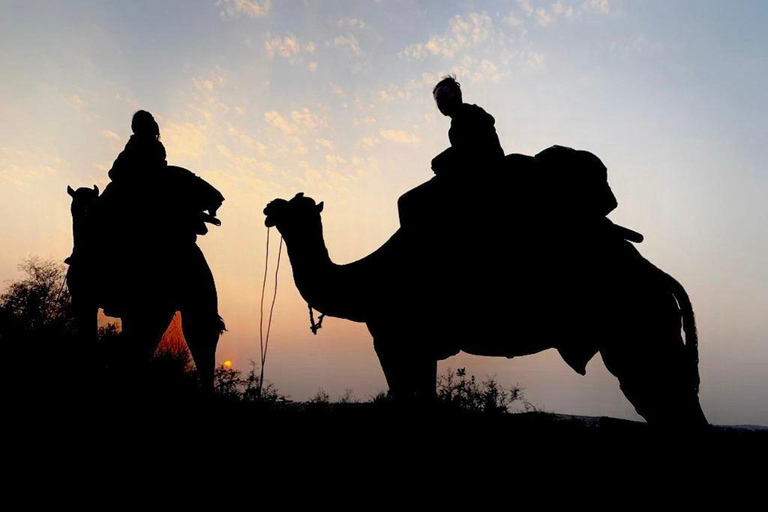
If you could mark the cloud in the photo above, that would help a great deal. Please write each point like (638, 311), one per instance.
(369, 142)
(286, 46)
(203, 84)
(249, 8)
(601, 6)
(463, 32)
(526, 6)
(352, 22)
(477, 70)
(324, 143)
(20, 167)
(312, 66)
(108, 134)
(184, 140)
(77, 103)
(401, 137)
(544, 17)
(561, 9)
(513, 21)
(345, 41)
(306, 120)
(365, 120)
(275, 119)
(298, 121)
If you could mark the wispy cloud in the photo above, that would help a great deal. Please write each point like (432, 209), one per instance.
(274, 119)
(369, 142)
(249, 8)
(20, 167)
(285, 46)
(526, 6)
(463, 32)
(109, 134)
(601, 6)
(298, 121)
(352, 22)
(345, 41)
(401, 137)
(184, 140)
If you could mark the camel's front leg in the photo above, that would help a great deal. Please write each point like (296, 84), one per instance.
(411, 376)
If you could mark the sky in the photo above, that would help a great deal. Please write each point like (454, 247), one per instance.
(265, 99)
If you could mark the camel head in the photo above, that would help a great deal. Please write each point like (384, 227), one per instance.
(294, 215)
(83, 200)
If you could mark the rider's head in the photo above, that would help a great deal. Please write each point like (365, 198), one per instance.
(447, 94)
(144, 125)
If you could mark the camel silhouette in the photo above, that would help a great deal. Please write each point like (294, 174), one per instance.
(145, 286)
(486, 269)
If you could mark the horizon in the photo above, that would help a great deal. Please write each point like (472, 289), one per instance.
(266, 99)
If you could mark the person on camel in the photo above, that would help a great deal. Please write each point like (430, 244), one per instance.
(143, 152)
(475, 146)
(462, 172)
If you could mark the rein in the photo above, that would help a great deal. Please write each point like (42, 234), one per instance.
(264, 341)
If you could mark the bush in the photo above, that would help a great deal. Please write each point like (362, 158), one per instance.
(229, 383)
(458, 390)
(38, 307)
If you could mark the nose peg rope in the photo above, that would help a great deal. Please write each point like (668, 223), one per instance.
(264, 341)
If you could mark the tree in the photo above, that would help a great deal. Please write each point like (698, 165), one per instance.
(37, 307)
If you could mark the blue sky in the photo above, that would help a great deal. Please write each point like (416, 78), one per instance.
(265, 99)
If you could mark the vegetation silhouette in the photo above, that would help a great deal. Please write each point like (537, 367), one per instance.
(550, 271)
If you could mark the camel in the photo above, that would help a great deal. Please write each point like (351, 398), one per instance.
(145, 288)
(536, 282)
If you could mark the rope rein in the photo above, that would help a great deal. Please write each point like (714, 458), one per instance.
(264, 341)
(312, 325)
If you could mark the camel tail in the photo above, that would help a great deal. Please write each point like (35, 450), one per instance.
(689, 328)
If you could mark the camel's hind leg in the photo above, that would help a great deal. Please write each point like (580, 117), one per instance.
(653, 367)
(141, 334)
(201, 332)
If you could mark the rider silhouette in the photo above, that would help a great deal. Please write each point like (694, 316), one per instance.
(463, 172)
(143, 152)
(474, 143)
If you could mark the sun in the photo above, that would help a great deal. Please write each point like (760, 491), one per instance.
(227, 364)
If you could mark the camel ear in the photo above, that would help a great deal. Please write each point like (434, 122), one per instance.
(96, 189)
(300, 194)
(70, 191)
(320, 206)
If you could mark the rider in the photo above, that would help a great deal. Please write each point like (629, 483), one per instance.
(143, 152)
(462, 172)
(474, 143)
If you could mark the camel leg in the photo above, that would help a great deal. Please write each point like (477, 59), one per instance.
(200, 320)
(652, 368)
(410, 375)
(141, 334)
(201, 332)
